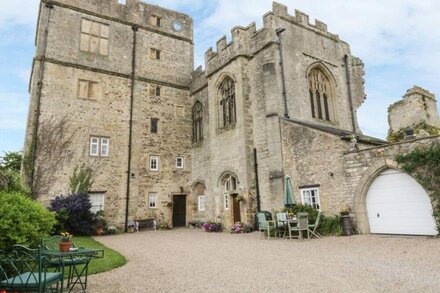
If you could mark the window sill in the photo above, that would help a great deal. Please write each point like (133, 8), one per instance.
(226, 128)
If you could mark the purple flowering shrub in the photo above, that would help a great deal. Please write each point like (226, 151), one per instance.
(212, 227)
(240, 227)
(73, 214)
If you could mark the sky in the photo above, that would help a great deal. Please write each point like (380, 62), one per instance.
(398, 40)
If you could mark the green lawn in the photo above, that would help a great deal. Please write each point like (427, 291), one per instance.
(112, 259)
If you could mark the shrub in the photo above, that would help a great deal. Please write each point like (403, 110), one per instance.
(73, 214)
(331, 226)
(23, 220)
(303, 208)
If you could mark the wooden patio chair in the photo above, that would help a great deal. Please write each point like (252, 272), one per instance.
(313, 228)
(25, 270)
(302, 225)
(265, 226)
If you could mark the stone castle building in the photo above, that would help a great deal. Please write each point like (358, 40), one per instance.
(113, 88)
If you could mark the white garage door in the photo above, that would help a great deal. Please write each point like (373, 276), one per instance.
(397, 204)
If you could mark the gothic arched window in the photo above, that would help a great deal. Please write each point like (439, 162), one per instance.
(197, 117)
(321, 96)
(227, 111)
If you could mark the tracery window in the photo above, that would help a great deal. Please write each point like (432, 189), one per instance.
(227, 103)
(321, 96)
(197, 117)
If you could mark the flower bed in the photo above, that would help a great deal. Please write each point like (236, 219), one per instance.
(240, 227)
(212, 227)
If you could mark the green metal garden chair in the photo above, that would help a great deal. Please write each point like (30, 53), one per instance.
(26, 270)
(265, 226)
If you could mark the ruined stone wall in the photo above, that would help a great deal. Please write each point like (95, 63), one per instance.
(417, 106)
(105, 112)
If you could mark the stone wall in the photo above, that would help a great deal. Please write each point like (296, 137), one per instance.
(363, 166)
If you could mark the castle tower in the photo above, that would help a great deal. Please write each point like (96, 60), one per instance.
(110, 90)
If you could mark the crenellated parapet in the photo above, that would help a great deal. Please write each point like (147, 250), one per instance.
(300, 18)
(238, 46)
(134, 12)
(246, 41)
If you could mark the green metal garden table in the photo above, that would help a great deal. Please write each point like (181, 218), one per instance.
(75, 259)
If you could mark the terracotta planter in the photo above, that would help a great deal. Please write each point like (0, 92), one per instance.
(65, 246)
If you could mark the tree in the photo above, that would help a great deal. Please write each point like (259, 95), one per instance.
(12, 161)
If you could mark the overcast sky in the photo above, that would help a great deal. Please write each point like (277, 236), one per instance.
(398, 40)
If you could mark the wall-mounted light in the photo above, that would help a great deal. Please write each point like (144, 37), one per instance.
(330, 174)
(132, 176)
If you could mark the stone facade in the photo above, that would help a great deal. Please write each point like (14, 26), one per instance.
(287, 93)
(91, 92)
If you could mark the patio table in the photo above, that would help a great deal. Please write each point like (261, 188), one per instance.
(75, 259)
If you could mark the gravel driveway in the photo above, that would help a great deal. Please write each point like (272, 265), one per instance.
(186, 260)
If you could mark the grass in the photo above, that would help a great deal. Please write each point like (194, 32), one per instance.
(112, 259)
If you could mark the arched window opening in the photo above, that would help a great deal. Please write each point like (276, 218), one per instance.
(227, 103)
(197, 117)
(322, 102)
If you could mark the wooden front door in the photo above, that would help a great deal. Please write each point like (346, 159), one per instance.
(179, 210)
(236, 210)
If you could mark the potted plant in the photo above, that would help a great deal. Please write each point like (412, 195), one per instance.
(66, 242)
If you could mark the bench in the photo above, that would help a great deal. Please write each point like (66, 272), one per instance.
(145, 224)
(24, 269)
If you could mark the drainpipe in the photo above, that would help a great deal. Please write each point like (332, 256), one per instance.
(283, 81)
(257, 186)
(133, 75)
(33, 150)
(350, 97)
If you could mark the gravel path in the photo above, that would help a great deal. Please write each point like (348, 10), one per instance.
(186, 260)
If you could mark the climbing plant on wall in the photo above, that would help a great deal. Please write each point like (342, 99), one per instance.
(424, 166)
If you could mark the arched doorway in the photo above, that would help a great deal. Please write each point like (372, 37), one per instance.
(397, 204)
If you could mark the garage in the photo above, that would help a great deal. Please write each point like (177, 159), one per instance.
(397, 204)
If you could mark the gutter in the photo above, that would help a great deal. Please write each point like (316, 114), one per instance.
(283, 81)
(130, 138)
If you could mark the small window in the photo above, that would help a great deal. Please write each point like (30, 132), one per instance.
(152, 200)
(310, 196)
(179, 162)
(155, 54)
(226, 201)
(231, 184)
(88, 89)
(94, 37)
(154, 90)
(97, 200)
(202, 202)
(104, 147)
(154, 163)
(155, 20)
(154, 125)
(99, 146)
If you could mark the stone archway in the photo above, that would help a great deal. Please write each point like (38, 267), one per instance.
(361, 191)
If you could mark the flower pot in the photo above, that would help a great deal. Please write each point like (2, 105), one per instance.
(65, 246)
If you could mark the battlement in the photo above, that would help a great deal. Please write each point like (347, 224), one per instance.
(301, 18)
(136, 12)
(239, 41)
